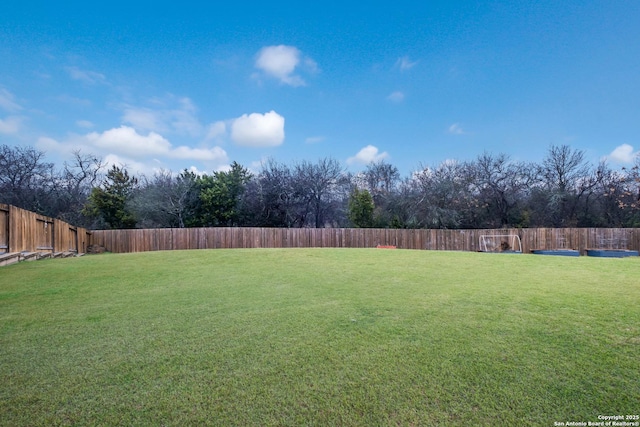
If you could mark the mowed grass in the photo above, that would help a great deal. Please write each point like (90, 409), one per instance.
(318, 337)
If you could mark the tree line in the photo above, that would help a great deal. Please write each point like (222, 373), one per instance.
(491, 191)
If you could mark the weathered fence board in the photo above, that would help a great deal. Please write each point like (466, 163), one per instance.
(25, 231)
(454, 240)
(4, 228)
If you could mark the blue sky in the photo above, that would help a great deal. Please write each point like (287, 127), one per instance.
(180, 85)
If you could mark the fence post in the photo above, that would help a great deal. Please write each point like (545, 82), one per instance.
(5, 244)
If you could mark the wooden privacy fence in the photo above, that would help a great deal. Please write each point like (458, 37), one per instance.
(454, 240)
(25, 231)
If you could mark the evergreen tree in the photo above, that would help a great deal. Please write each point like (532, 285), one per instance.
(109, 202)
(361, 208)
(219, 197)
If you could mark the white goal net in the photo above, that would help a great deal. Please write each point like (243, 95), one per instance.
(500, 243)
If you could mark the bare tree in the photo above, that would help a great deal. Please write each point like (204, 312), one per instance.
(501, 187)
(625, 193)
(25, 178)
(566, 178)
(563, 168)
(443, 195)
(270, 199)
(321, 186)
(163, 200)
(73, 185)
(381, 178)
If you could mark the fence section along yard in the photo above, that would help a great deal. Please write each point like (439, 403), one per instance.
(141, 240)
(24, 231)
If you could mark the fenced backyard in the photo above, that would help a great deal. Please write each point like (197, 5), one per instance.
(318, 337)
(329, 337)
(143, 240)
(24, 232)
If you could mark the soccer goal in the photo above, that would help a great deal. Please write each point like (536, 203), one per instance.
(500, 243)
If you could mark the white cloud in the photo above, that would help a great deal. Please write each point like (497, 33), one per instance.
(623, 154)
(126, 140)
(144, 119)
(132, 166)
(310, 65)
(216, 154)
(258, 130)
(455, 129)
(7, 102)
(216, 130)
(181, 119)
(49, 144)
(396, 97)
(90, 77)
(10, 125)
(223, 168)
(281, 62)
(195, 170)
(405, 63)
(368, 154)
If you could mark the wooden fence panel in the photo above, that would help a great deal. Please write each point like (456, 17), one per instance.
(72, 239)
(60, 236)
(44, 234)
(22, 236)
(25, 231)
(451, 240)
(65, 237)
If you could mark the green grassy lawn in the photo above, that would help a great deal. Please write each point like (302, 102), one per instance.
(318, 337)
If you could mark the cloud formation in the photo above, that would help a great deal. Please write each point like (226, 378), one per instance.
(10, 125)
(623, 154)
(258, 130)
(456, 129)
(369, 154)
(280, 62)
(143, 119)
(7, 102)
(131, 165)
(216, 130)
(127, 141)
(180, 119)
(89, 77)
(131, 147)
(396, 97)
(405, 63)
